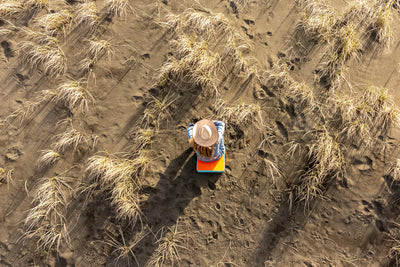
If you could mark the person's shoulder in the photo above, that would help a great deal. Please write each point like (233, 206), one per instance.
(219, 123)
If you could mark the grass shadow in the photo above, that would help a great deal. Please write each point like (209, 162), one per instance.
(177, 187)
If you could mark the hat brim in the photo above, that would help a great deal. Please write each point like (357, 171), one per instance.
(198, 137)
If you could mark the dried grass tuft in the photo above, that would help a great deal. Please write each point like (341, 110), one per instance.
(304, 94)
(71, 138)
(87, 15)
(362, 118)
(99, 48)
(21, 114)
(121, 177)
(55, 23)
(167, 252)
(125, 249)
(48, 158)
(194, 61)
(141, 139)
(381, 25)
(6, 176)
(239, 115)
(272, 169)
(206, 24)
(157, 110)
(86, 65)
(394, 171)
(118, 7)
(325, 162)
(12, 8)
(345, 46)
(39, 4)
(48, 57)
(318, 19)
(46, 220)
(74, 96)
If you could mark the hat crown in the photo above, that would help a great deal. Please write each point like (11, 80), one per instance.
(206, 132)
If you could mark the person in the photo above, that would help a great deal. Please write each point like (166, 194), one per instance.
(207, 139)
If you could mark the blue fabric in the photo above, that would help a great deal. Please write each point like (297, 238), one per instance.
(219, 146)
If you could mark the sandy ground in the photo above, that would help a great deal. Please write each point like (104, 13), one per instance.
(239, 218)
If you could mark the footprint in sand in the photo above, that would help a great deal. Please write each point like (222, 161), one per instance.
(249, 22)
(364, 165)
(13, 154)
(20, 77)
(234, 8)
(265, 88)
(211, 185)
(259, 93)
(282, 129)
(378, 206)
(380, 225)
(8, 51)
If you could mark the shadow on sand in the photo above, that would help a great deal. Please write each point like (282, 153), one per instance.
(177, 187)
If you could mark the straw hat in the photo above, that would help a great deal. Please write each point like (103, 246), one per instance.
(205, 133)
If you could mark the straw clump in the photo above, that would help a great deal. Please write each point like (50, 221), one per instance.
(167, 252)
(6, 176)
(394, 252)
(358, 10)
(277, 78)
(194, 61)
(39, 4)
(86, 65)
(98, 48)
(141, 139)
(121, 177)
(12, 9)
(235, 50)
(157, 110)
(304, 94)
(326, 162)
(239, 115)
(394, 171)
(345, 46)
(71, 138)
(373, 18)
(48, 57)
(380, 25)
(125, 196)
(125, 249)
(363, 117)
(21, 114)
(9, 28)
(117, 7)
(318, 19)
(206, 24)
(54, 23)
(272, 169)
(48, 158)
(74, 96)
(87, 15)
(46, 220)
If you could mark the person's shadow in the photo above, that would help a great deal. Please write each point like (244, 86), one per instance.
(177, 187)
